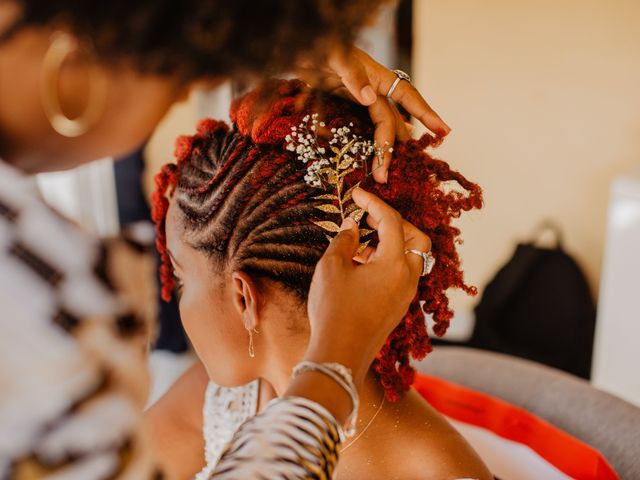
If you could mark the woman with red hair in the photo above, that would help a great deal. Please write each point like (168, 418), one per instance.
(249, 213)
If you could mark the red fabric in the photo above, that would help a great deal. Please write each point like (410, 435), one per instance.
(568, 454)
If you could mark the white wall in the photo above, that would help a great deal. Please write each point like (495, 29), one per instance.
(544, 101)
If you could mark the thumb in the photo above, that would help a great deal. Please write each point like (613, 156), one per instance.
(345, 243)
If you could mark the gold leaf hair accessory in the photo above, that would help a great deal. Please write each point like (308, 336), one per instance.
(328, 167)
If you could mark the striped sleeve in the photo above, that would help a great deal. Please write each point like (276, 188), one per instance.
(292, 438)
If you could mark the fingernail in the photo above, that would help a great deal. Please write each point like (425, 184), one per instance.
(385, 177)
(368, 95)
(347, 224)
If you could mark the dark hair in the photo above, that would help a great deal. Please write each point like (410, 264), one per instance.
(204, 38)
(245, 202)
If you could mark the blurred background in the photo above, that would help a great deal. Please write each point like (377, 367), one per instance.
(544, 105)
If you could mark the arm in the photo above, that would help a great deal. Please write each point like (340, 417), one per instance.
(351, 311)
(175, 425)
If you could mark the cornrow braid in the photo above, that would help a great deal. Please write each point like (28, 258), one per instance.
(246, 204)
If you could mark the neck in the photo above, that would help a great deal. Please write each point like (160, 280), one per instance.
(285, 350)
(278, 368)
(278, 375)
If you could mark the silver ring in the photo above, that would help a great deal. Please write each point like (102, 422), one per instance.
(428, 260)
(400, 76)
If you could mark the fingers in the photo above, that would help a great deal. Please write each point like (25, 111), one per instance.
(366, 79)
(345, 244)
(405, 94)
(365, 255)
(413, 236)
(415, 240)
(388, 223)
(354, 76)
(408, 96)
(403, 129)
(385, 133)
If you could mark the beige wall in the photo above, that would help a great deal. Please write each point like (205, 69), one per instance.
(544, 101)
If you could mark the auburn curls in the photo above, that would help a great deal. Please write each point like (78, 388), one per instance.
(245, 202)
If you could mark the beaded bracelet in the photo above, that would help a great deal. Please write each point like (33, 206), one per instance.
(343, 377)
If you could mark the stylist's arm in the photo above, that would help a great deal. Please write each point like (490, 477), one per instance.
(352, 310)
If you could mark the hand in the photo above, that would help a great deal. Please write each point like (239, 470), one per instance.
(352, 307)
(368, 82)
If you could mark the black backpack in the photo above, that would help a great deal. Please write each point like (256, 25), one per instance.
(539, 307)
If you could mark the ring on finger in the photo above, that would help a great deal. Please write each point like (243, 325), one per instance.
(400, 75)
(428, 260)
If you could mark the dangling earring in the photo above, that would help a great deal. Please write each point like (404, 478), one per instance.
(63, 44)
(252, 352)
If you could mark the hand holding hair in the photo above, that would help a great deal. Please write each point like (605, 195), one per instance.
(373, 85)
(353, 307)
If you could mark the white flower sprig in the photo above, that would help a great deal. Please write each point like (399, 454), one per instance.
(304, 141)
(327, 171)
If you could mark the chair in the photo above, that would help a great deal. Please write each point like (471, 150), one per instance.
(607, 423)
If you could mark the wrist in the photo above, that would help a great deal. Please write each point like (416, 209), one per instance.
(352, 358)
(323, 390)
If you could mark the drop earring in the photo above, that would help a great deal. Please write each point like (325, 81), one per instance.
(252, 352)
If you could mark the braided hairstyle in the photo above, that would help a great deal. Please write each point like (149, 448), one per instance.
(244, 201)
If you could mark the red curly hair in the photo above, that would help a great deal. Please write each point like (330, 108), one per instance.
(245, 202)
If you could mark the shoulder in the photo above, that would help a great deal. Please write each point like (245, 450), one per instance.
(182, 405)
(435, 446)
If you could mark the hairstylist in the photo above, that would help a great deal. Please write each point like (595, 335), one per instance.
(83, 80)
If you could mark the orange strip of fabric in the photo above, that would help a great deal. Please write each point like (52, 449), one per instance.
(570, 455)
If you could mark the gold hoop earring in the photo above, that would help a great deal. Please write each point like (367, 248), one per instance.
(63, 44)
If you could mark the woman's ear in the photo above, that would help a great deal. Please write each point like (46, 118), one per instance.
(246, 298)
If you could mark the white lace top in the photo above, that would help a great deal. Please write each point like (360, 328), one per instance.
(224, 410)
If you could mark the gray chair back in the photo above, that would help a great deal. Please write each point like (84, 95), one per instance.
(606, 422)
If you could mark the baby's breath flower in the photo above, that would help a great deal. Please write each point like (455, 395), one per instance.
(303, 140)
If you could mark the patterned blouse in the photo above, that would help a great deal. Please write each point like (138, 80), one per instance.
(74, 328)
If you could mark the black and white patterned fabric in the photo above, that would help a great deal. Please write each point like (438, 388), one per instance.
(73, 371)
(292, 438)
(72, 358)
